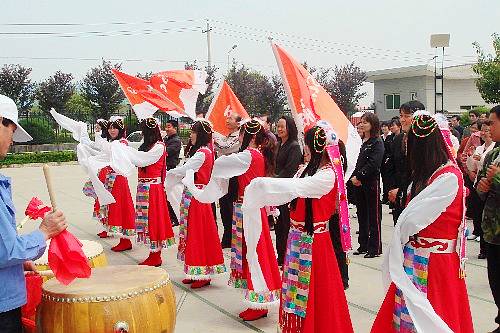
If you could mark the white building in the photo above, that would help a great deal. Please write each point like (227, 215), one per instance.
(393, 87)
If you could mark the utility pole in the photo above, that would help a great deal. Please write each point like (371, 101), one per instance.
(209, 53)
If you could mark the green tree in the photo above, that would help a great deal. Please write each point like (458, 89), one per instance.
(488, 68)
(342, 83)
(102, 90)
(16, 84)
(204, 100)
(256, 92)
(78, 107)
(55, 92)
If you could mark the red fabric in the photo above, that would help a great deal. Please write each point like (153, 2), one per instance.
(265, 248)
(321, 212)
(446, 292)
(267, 258)
(203, 246)
(327, 309)
(36, 209)
(159, 224)
(257, 169)
(66, 258)
(122, 212)
(34, 294)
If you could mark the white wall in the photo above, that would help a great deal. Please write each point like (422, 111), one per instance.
(461, 92)
(403, 87)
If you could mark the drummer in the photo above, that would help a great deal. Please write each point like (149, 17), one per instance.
(16, 251)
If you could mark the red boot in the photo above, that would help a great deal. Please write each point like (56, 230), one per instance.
(187, 281)
(124, 245)
(252, 314)
(154, 259)
(200, 284)
(103, 234)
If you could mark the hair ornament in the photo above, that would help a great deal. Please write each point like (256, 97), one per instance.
(252, 126)
(205, 125)
(149, 122)
(423, 125)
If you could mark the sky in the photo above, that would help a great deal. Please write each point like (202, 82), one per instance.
(73, 36)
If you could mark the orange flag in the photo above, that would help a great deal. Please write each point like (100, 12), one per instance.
(310, 102)
(174, 92)
(141, 95)
(223, 105)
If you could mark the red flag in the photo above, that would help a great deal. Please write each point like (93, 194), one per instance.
(174, 92)
(223, 105)
(310, 102)
(141, 95)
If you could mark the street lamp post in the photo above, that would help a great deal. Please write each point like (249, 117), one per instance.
(228, 53)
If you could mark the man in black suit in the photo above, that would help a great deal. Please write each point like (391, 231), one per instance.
(173, 144)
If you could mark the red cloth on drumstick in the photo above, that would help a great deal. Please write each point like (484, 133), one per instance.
(66, 258)
(36, 209)
(33, 293)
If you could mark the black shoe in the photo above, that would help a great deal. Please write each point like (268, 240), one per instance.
(371, 255)
(346, 286)
(482, 256)
(357, 232)
(359, 252)
(225, 245)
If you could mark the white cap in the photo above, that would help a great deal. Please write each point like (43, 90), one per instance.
(8, 110)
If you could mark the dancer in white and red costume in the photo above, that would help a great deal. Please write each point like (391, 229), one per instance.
(312, 297)
(153, 226)
(423, 267)
(255, 159)
(199, 244)
(119, 217)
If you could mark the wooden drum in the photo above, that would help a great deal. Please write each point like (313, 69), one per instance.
(114, 299)
(92, 250)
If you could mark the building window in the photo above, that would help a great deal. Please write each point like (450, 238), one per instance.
(470, 107)
(413, 96)
(392, 102)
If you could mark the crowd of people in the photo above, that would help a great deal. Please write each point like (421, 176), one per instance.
(430, 172)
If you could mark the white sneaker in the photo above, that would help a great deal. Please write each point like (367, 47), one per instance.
(478, 239)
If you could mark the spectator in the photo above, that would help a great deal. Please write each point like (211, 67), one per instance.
(226, 145)
(488, 189)
(397, 195)
(474, 117)
(266, 119)
(455, 123)
(288, 160)
(173, 144)
(387, 167)
(385, 130)
(366, 178)
(474, 164)
(17, 251)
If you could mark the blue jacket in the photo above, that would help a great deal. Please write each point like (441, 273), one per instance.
(14, 251)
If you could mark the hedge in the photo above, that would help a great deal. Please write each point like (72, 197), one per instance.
(40, 157)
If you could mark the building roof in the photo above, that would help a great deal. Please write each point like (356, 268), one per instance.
(459, 72)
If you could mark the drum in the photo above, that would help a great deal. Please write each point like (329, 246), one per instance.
(114, 299)
(93, 251)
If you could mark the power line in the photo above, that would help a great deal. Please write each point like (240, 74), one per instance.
(321, 42)
(94, 24)
(87, 34)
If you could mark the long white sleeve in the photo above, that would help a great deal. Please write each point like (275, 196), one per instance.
(225, 167)
(124, 158)
(421, 211)
(78, 129)
(173, 180)
(265, 191)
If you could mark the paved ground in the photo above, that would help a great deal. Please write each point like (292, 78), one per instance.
(215, 309)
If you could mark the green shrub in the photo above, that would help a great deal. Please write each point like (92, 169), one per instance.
(42, 157)
(464, 117)
(40, 130)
